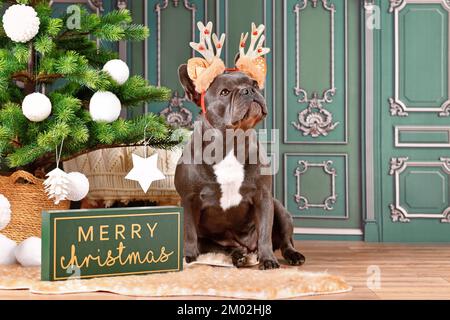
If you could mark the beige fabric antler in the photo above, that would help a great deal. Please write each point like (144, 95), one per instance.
(252, 62)
(203, 71)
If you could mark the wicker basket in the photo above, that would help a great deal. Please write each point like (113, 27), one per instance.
(106, 170)
(26, 194)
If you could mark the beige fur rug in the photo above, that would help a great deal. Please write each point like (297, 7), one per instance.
(197, 279)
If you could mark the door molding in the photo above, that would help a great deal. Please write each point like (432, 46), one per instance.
(329, 231)
(369, 96)
(398, 166)
(327, 205)
(397, 106)
(314, 120)
(418, 144)
(302, 201)
(315, 103)
(159, 7)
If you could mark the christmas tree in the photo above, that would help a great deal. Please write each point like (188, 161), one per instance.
(50, 69)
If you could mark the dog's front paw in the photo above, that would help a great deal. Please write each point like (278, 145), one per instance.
(190, 259)
(294, 257)
(191, 253)
(269, 264)
(239, 259)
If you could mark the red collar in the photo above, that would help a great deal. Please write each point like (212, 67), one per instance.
(202, 102)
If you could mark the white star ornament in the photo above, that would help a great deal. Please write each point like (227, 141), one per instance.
(145, 171)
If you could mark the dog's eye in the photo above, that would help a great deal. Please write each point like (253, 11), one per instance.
(224, 92)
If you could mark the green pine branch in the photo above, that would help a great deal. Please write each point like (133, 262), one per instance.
(69, 64)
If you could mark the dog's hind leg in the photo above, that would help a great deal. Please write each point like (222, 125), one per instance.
(283, 229)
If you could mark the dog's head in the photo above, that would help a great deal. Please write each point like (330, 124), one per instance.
(232, 101)
(230, 98)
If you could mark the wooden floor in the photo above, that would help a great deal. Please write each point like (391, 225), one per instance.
(405, 271)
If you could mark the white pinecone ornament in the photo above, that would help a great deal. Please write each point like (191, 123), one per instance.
(21, 23)
(57, 185)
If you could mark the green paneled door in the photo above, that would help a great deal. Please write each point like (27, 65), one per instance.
(412, 120)
(321, 129)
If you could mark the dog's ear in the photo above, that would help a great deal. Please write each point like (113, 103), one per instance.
(188, 85)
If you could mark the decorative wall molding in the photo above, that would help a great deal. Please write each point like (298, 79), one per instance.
(368, 5)
(315, 120)
(398, 166)
(176, 114)
(313, 123)
(329, 167)
(400, 4)
(300, 93)
(369, 113)
(329, 231)
(398, 107)
(121, 4)
(435, 129)
(302, 201)
(161, 6)
(395, 4)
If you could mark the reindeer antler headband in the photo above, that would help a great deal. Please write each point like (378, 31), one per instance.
(203, 71)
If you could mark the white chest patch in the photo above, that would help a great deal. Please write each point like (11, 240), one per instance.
(230, 175)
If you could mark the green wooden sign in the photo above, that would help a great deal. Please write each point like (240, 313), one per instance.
(110, 242)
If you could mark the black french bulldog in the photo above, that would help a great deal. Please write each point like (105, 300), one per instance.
(228, 205)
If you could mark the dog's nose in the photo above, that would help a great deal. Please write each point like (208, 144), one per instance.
(247, 92)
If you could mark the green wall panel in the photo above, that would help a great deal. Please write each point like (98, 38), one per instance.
(237, 23)
(314, 47)
(320, 185)
(418, 136)
(172, 26)
(423, 31)
(431, 183)
(173, 53)
(315, 36)
(344, 144)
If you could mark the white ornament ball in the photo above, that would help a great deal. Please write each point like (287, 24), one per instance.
(21, 23)
(118, 70)
(5, 212)
(28, 253)
(78, 186)
(7, 250)
(105, 107)
(36, 107)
